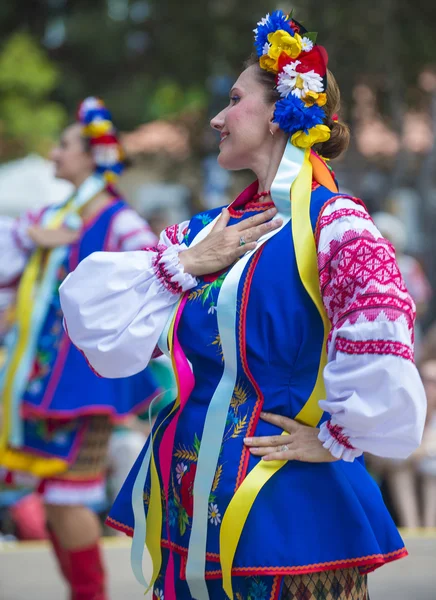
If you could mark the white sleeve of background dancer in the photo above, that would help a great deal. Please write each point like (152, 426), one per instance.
(374, 394)
(116, 304)
(15, 248)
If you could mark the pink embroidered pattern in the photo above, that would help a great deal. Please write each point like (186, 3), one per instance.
(172, 234)
(337, 432)
(327, 220)
(162, 274)
(360, 276)
(374, 347)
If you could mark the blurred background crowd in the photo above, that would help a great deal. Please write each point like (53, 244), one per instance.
(164, 69)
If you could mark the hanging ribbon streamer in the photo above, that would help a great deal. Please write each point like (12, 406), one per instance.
(239, 508)
(216, 416)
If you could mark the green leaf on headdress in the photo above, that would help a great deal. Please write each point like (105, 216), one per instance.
(290, 15)
(312, 36)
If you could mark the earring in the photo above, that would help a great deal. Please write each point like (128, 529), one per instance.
(271, 132)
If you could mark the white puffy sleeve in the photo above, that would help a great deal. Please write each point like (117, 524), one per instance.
(15, 248)
(374, 394)
(129, 231)
(116, 304)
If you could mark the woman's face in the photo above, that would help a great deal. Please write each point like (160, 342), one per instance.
(72, 161)
(244, 124)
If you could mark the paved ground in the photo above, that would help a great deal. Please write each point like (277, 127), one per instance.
(27, 572)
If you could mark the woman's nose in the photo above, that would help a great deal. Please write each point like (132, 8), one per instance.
(218, 121)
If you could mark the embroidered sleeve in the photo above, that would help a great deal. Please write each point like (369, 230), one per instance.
(116, 304)
(374, 395)
(129, 231)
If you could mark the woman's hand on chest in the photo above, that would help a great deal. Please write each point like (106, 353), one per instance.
(225, 244)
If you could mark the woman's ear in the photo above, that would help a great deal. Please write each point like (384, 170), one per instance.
(273, 127)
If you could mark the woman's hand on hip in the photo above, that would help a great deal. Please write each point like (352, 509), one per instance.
(224, 245)
(52, 238)
(301, 443)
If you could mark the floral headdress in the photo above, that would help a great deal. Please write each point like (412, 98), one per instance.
(286, 49)
(98, 128)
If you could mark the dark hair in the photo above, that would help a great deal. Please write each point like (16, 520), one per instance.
(340, 132)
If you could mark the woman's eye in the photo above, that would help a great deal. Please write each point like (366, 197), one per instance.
(234, 99)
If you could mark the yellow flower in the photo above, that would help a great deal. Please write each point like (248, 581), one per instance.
(282, 41)
(269, 64)
(312, 98)
(316, 135)
(97, 128)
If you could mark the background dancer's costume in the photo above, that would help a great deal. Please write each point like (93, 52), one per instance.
(315, 324)
(57, 413)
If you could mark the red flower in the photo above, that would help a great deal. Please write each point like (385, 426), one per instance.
(315, 60)
(187, 490)
(284, 59)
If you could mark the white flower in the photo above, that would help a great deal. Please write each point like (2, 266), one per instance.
(212, 310)
(290, 81)
(181, 469)
(263, 21)
(266, 48)
(306, 44)
(159, 594)
(214, 514)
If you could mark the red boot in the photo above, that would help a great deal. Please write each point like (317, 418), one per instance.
(87, 576)
(61, 555)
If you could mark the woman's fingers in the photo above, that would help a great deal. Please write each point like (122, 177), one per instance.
(284, 423)
(256, 220)
(268, 441)
(223, 221)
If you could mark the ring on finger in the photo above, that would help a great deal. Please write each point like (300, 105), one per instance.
(284, 448)
(242, 241)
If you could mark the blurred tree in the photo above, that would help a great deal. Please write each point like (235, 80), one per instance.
(28, 119)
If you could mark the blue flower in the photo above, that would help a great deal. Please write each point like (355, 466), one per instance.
(258, 590)
(293, 115)
(172, 512)
(277, 20)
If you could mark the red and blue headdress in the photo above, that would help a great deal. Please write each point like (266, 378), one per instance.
(99, 130)
(286, 49)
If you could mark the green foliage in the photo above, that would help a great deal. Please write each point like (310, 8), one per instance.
(30, 121)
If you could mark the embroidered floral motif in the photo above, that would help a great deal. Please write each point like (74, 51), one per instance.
(163, 275)
(258, 590)
(204, 218)
(209, 291)
(217, 342)
(236, 423)
(214, 514)
(387, 347)
(359, 276)
(158, 594)
(187, 490)
(172, 234)
(337, 432)
(327, 220)
(181, 469)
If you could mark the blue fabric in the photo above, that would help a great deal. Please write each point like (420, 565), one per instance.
(307, 514)
(62, 387)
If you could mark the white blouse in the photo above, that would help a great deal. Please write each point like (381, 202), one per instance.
(116, 307)
(128, 231)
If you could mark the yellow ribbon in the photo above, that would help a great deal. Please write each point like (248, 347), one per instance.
(305, 249)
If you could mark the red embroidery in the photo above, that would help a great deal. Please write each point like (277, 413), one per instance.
(385, 347)
(172, 234)
(360, 276)
(162, 274)
(327, 220)
(337, 432)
